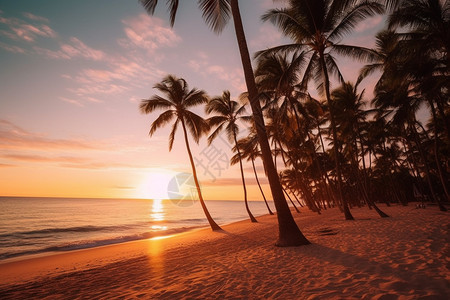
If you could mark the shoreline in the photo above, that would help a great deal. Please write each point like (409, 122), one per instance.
(402, 257)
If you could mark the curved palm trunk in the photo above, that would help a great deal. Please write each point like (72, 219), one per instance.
(427, 169)
(347, 213)
(288, 232)
(436, 158)
(211, 221)
(260, 188)
(252, 218)
(290, 199)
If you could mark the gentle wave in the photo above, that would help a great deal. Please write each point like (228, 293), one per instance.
(97, 243)
(88, 228)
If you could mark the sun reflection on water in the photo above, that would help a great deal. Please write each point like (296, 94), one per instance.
(157, 213)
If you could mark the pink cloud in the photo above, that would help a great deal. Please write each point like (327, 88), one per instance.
(13, 49)
(36, 18)
(15, 137)
(268, 36)
(369, 24)
(148, 33)
(40, 158)
(75, 48)
(72, 101)
(21, 30)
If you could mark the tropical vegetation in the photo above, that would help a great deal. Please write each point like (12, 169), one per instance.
(345, 146)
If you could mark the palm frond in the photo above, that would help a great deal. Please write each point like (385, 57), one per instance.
(281, 18)
(196, 125)
(173, 7)
(195, 97)
(333, 68)
(217, 105)
(149, 5)
(231, 130)
(359, 53)
(354, 14)
(162, 120)
(215, 133)
(241, 110)
(216, 120)
(368, 70)
(216, 13)
(156, 102)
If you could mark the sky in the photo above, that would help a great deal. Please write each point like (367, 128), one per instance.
(72, 75)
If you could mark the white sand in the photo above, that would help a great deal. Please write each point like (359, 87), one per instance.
(406, 256)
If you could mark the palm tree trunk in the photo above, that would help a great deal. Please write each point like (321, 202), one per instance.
(347, 213)
(290, 199)
(252, 218)
(260, 188)
(436, 158)
(211, 221)
(288, 232)
(427, 168)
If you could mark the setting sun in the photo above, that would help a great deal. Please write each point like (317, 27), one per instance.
(154, 184)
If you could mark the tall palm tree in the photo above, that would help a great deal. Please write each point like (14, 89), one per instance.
(250, 151)
(427, 45)
(278, 74)
(317, 26)
(227, 113)
(217, 14)
(178, 101)
(351, 117)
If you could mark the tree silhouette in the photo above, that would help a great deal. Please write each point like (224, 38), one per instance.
(227, 113)
(176, 105)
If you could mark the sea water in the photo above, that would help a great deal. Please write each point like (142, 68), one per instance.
(38, 225)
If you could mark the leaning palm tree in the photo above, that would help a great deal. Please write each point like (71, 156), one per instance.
(318, 26)
(227, 113)
(216, 14)
(351, 117)
(176, 105)
(250, 151)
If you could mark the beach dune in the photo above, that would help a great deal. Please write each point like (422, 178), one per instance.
(405, 256)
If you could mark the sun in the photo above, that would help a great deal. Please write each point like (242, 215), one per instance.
(154, 184)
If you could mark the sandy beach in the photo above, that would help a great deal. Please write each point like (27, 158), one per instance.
(406, 256)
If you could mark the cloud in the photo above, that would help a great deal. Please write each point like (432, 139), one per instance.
(369, 24)
(35, 18)
(72, 101)
(229, 181)
(40, 158)
(14, 137)
(21, 30)
(233, 77)
(6, 165)
(268, 37)
(67, 162)
(13, 49)
(73, 49)
(148, 33)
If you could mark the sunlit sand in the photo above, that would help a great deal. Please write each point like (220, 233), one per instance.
(402, 257)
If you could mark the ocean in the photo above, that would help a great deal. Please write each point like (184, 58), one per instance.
(39, 225)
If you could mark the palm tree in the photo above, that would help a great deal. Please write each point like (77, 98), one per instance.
(250, 150)
(228, 113)
(317, 26)
(426, 47)
(176, 105)
(351, 117)
(217, 14)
